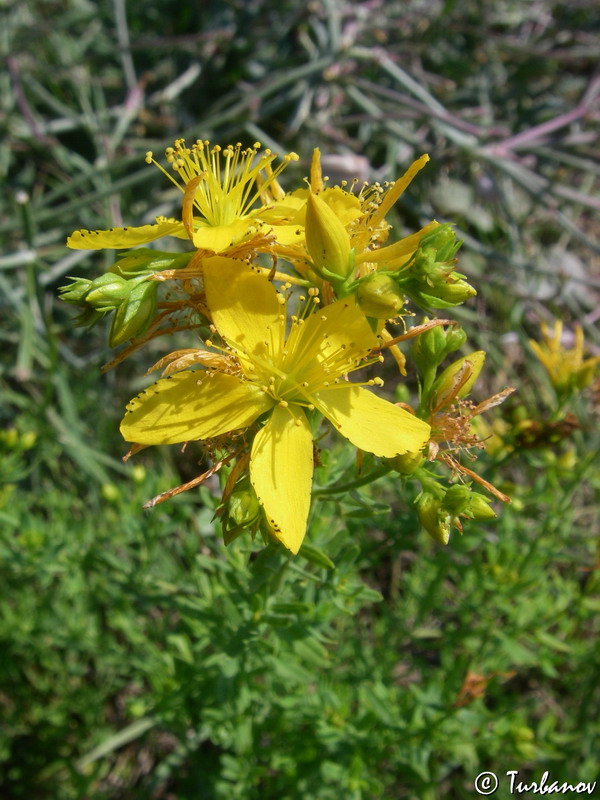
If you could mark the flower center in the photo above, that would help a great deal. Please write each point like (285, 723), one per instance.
(225, 182)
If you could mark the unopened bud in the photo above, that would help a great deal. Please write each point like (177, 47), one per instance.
(436, 521)
(88, 317)
(107, 292)
(479, 507)
(379, 296)
(406, 463)
(451, 293)
(457, 499)
(143, 260)
(243, 505)
(435, 255)
(75, 292)
(135, 314)
(455, 338)
(443, 238)
(457, 380)
(327, 240)
(432, 346)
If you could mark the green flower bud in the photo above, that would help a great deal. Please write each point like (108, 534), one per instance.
(135, 314)
(443, 295)
(108, 292)
(457, 499)
(436, 521)
(479, 507)
(443, 240)
(451, 293)
(327, 240)
(244, 508)
(432, 346)
(426, 266)
(75, 292)
(143, 260)
(455, 338)
(457, 380)
(435, 256)
(88, 317)
(406, 463)
(379, 296)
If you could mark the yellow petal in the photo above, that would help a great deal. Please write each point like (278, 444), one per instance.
(281, 469)
(116, 238)
(220, 237)
(335, 335)
(192, 405)
(345, 206)
(290, 209)
(287, 235)
(371, 423)
(244, 306)
(395, 255)
(398, 187)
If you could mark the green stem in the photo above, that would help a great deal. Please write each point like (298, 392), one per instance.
(428, 379)
(340, 488)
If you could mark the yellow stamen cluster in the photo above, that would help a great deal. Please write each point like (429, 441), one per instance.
(226, 181)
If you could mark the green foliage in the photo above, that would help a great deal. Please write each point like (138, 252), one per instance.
(140, 657)
(141, 653)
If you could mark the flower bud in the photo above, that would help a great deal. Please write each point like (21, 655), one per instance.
(406, 463)
(457, 380)
(327, 240)
(436, 521)
(88, 317)
(453, 293)
(135, 314)
(455, 338)
(379, 296)
(435, 257)
(457, 499)
(243, 505)
(75, 292)
(443, 240)
(143, 260)
(107, 292)
(431, 347)
(479, 507)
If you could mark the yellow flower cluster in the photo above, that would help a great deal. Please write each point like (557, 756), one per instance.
(567, 369)
(276, 343)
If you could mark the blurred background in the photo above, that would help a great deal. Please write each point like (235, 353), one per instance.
(138, 657)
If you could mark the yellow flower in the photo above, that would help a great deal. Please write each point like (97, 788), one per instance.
(282, 374)
(362, 214)
(222, 184)
(566, 368)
